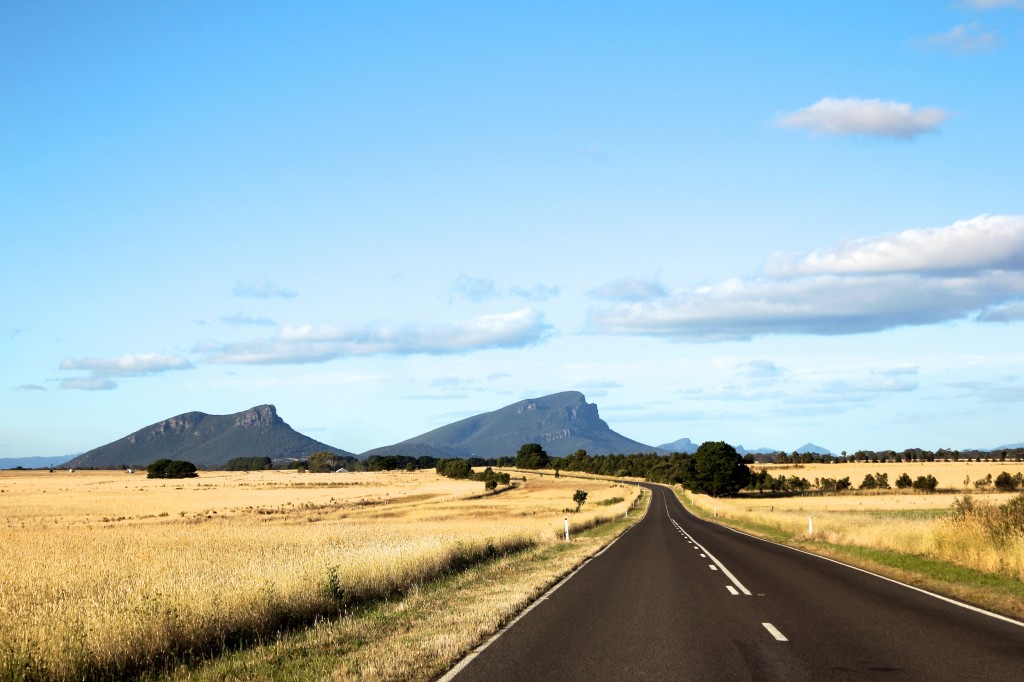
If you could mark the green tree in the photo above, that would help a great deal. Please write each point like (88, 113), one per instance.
(579, 498)
(324, 462)
(171, 468)
(927, 483)
(249, 464)
(719, 470)
(1006, 482)
(454, 468)
(904, 482)
(532, 456)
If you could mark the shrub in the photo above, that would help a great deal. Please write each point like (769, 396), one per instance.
(324, 462)
(171, 468)
(904, 482)
(927, 483)
(1006, 482)
(454, 468)
(248, 464)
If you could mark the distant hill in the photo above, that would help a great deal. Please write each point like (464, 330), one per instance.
(684, 445)
(813, 449)
(688, 446)
(561, 423)
(33, 462)
(758, 451)
(207, 440)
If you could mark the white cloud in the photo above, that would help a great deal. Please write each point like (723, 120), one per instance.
(101, 371)
(982, 243)
(477, 289)
(825, 305)
(128, 365)
(473, 288)
(852, 116)
(538, 292)
(629, 289)
(918, 277)
(993, 4)
(321, 343)
(88, 384)
(261, 288)
(241, 320)
(761, 369)
(963, 38)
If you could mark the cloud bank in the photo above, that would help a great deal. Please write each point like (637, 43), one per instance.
(873, 117)
(298, 344)
(103, 371)
(972, 268)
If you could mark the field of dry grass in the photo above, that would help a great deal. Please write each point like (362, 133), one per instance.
(950, 475)
(109, 574)
(905, 521)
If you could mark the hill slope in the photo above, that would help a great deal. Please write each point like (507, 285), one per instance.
(207, 440)
(561, 423)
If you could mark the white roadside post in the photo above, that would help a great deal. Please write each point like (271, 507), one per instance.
(810, 524)
(566, 519)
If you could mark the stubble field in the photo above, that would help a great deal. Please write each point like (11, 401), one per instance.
(110, 574)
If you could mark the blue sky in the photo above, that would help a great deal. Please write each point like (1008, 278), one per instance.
(770, 225)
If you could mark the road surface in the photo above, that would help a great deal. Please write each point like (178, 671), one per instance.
(678, 598)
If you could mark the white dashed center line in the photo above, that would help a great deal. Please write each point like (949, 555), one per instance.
(775, 632)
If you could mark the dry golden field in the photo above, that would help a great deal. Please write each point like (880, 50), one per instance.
(951, 475)
(905, 521)
(108, 574)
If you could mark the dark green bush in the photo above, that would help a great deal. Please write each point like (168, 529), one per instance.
(249, 464)
(171, 468)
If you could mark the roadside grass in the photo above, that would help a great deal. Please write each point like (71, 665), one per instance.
(996, 590)
(422, 634)
(111, 576)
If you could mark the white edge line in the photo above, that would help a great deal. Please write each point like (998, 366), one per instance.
(775, 632)
(949, 600)
(711, 556)
(732, 590)
(468, 658)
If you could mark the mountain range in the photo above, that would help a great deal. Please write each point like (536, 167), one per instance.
(561, 423)
(34, 462)
(207, 440)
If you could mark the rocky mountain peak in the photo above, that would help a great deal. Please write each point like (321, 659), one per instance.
(261, 415)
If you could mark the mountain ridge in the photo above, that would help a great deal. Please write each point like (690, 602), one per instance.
(207, 440)
(561, 423)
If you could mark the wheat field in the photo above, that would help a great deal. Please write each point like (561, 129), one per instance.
(905, 521)
(108, 574)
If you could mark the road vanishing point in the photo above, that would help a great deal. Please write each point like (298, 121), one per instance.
(679, 598)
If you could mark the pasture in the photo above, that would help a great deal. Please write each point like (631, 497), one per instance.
(110, 574)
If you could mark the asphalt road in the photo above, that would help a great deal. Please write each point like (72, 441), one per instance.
(678, 598)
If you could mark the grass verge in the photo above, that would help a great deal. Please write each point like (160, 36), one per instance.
(423, 633)
(999, 593)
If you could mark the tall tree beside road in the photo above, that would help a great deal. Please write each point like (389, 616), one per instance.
(718, 470)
